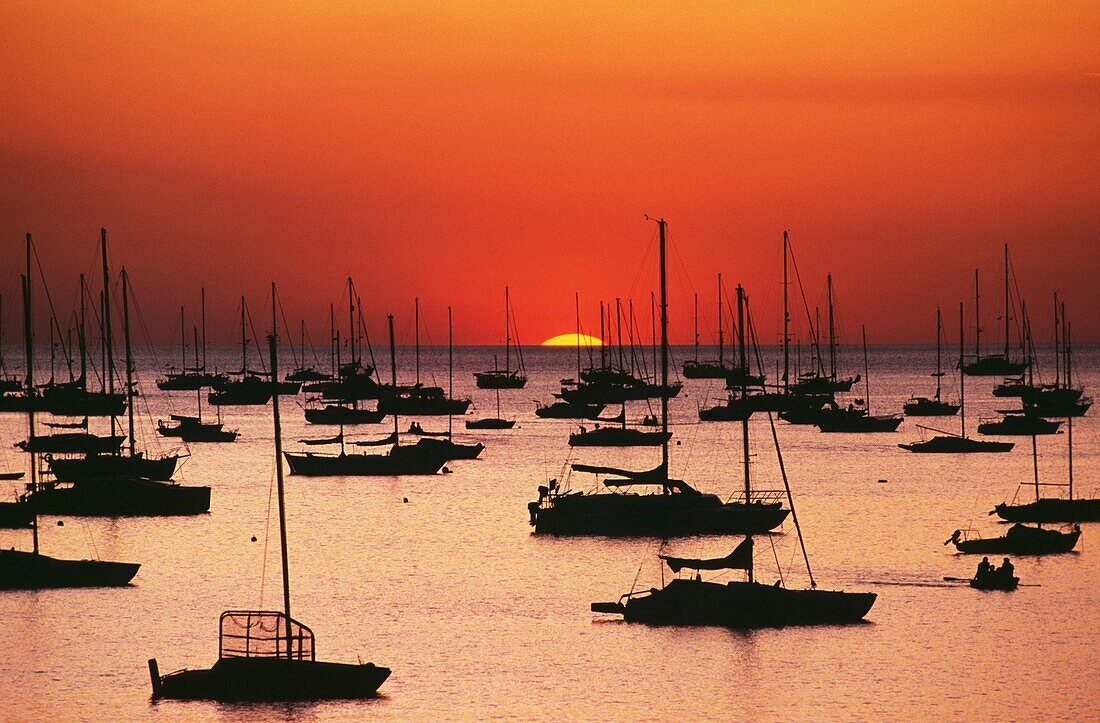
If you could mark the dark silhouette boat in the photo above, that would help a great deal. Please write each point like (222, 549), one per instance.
(675, 508)
(72, 443)
(566, 410)
(496, 422)
(947, 443)
(20, 570)
(16, 515)
(853, 419)
(997, 365)
(1010, 387)
(343, 414)
(506, 378)
(736, 604)
(739, 604)
(247, 388)
(1019, 540)
(195, 377)
(267, 655)
(936, 406)
(617, 437)
(818, 381)
(996, 579)
(193, 429)
(115, 463)
(735, 376)
(1022, 425)
(415, 459)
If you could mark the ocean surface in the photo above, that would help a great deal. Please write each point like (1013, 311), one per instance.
(481, 619)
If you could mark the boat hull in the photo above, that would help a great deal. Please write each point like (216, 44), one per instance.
(272, 679)
(28, 571)
(930, 408)
(745, 605)
(1052, 509)
(565, 410)
(653, 515)
(334, 414)
(109, 466)
(15, 515)
(617, 437)
(1019, 426)
(120, 498)
(994, 366)
(500, 380)
(1029, 541)
(857, 424)
(491, 423)
(957, 445)
(364, 465)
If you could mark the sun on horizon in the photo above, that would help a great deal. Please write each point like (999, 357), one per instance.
(573, 340)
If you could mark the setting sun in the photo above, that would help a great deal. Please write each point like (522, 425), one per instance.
(573, 340)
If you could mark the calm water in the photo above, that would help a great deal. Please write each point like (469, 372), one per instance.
(480, 619)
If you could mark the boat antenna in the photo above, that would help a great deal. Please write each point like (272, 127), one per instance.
(779, 453)
(1006, 302)
(577, 312)
(662, 227)
(786, 319)
(273, 345)
(107, 322)
(720, 330)
(745, 421)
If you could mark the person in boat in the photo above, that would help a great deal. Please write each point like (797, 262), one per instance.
(415, 428)
(984, 569)
(1006, 569)
(955, 536)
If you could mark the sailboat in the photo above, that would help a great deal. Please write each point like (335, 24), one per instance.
(506, 378)
(947, 443)
(934, 407)
(695, 369)
(111, 464)
(496, 422)
(419, 400)
(1054, 509)
(20, 570)
(618, 436)
(1061, 399)
(675, 508)
(250, 389)
(690, 600)
(996, 364)
(399, 460)
(446, 446)
(193, 429)
(266, 655)
(193, 378)
(857, 419)
(816, 381)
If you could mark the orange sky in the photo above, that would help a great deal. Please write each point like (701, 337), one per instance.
(445, 149)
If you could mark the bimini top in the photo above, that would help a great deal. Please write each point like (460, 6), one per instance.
(263, 634)
(655, 476)
(739, 559)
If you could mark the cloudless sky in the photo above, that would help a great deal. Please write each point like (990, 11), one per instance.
(445, 149)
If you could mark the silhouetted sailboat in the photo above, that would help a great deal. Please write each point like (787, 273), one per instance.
(739, 604)
(193, 429)
(946, 443)
(400, 459)
(676, 508)
(934, 407)
(496, 422)
(817, 381)
(21, 570)
(857, 419)
(506, 378)
(268, 655)
(717, 369)
(992, 365)
(193, 378)
(249, 389)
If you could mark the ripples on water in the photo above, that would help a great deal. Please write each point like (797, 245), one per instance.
(478, 618)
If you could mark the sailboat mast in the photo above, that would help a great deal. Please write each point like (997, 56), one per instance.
(244, 343)
(866, 370)
(1057, 354)
(507, 334)
(664, 360)
(450, 371)
(82, 335)
(745, 421)
(333, 345)
(832, 328)
(416, 310)
(603, 343)
(962, 376)
(198, 392)
(183, 342)
(720, 331)
(129, 359)
(393, 379)
(977, 319)
(577, 313)
(351, 323)
(28, 341)
(697, 327)
(202, 305)
(939, 367)
(107, 321)
(619, 331)
(1006, 302)
(273, 345)
(786, 320)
